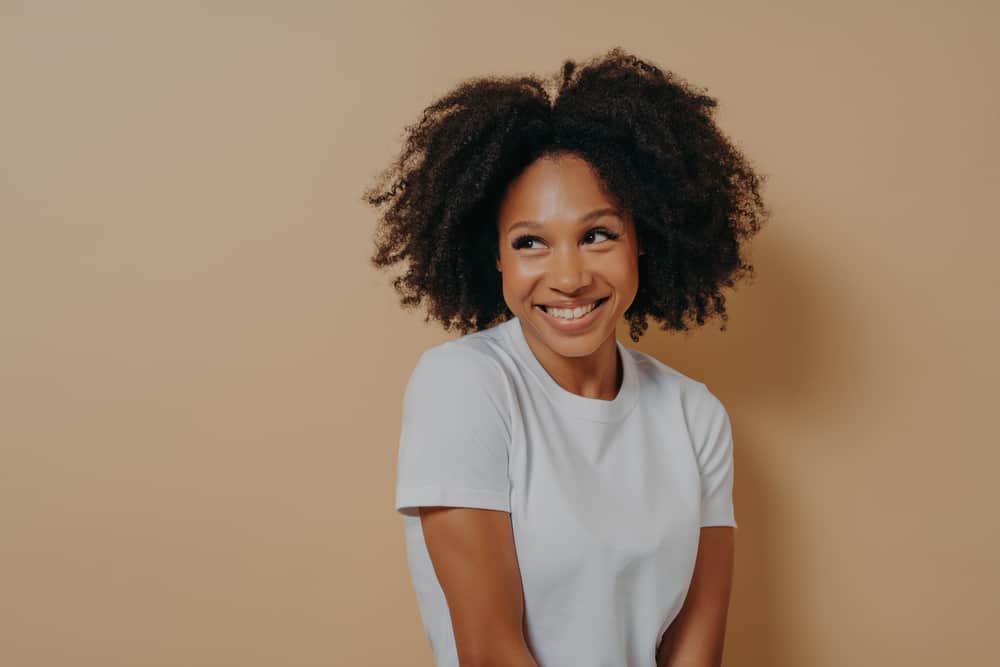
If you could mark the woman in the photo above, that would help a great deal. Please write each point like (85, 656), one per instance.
(567, 499)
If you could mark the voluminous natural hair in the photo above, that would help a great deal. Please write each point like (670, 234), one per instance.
(652, 140)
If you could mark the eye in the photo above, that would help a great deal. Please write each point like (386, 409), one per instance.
(602, 231)
(527, 241)
(523, 241)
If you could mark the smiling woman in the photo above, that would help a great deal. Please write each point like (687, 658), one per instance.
(567, 500)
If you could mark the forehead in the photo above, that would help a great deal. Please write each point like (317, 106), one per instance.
(553, 188)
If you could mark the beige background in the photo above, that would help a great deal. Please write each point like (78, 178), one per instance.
(202, 377)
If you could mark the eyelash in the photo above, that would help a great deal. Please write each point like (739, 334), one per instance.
(518, 243)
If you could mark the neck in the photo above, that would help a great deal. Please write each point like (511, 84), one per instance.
(597, 375)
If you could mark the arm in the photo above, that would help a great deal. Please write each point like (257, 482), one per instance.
(695, 638)
(473, 554)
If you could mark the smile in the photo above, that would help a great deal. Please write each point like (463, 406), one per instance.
(572, 319)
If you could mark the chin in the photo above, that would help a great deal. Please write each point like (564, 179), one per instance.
(579, 344)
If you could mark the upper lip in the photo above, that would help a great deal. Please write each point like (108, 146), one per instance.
(572, 304)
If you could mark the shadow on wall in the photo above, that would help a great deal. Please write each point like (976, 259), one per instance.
(775, 352)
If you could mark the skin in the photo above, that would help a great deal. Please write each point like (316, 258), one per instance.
(695, 637)
(568, 258)
(472, 550)
(473, 554)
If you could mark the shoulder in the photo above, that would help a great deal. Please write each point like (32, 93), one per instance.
(463, 369)
(458, 387)
(664, 377)
(697, 401)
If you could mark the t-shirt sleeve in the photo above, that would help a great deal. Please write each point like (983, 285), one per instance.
(715, 461)
(453, 446)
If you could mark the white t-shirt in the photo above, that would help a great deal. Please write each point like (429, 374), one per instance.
(606, 497)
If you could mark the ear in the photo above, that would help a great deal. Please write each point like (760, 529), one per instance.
(498, 265)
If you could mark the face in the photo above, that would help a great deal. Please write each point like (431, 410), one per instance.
(565, 246)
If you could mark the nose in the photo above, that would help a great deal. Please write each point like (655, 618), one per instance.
(568, 271)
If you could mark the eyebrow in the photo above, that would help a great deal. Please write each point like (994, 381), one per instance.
(593, 215)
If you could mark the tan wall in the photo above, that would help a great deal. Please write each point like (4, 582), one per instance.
(201, 377)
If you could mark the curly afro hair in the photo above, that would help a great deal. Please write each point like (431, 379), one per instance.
(650, 136)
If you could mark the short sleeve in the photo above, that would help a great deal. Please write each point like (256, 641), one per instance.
(453, 446)
(715, 461)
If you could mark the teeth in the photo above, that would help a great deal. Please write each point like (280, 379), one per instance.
(571, 313)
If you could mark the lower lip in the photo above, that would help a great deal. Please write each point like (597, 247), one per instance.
(569, 326)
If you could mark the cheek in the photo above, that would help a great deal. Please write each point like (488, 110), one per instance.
(513, 282)
(621, 270)
(625, 279)
(521, 275)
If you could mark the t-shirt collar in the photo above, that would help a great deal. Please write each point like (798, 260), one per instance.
(594, 409)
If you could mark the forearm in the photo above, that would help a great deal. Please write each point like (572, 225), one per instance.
(669, 655)
(513, 653)
(668, 658)
(668, 661)
(517, 655)
(666, 648)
